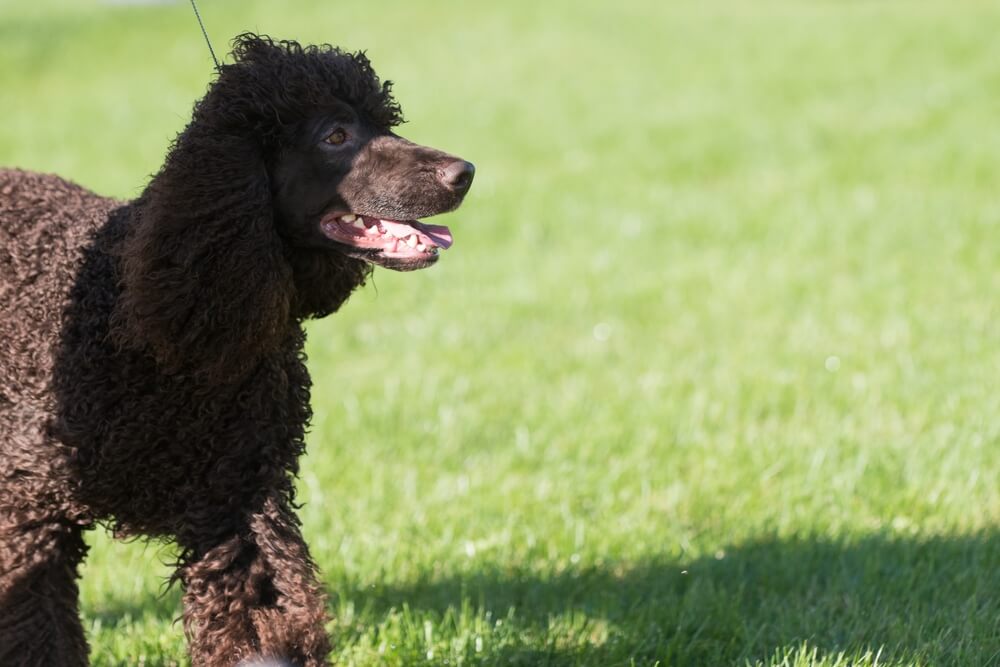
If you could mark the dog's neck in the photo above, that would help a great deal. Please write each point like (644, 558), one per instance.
(323, 281)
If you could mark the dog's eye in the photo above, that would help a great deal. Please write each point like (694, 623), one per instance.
(336, 137)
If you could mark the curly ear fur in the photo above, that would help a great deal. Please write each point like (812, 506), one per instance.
(205, 285)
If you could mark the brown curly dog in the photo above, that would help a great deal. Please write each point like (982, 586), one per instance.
(152, 374)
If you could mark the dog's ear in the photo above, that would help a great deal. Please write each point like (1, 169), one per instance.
(206, 288)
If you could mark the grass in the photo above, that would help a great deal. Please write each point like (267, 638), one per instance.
(711, 374)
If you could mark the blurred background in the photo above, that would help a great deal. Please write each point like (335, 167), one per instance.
(710, 375)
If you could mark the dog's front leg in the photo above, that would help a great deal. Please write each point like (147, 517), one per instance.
(255, 595)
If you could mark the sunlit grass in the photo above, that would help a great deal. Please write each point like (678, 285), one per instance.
(710, 376)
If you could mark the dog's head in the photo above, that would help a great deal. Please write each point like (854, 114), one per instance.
(273, 204)
(339, 176)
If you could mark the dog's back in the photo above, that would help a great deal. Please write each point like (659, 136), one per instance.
(45, 222)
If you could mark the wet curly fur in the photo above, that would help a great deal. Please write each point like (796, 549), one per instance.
(152, 373)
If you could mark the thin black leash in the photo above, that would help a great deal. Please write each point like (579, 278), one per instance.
(205, 33)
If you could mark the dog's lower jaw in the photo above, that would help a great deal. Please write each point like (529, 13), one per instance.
(376, 258)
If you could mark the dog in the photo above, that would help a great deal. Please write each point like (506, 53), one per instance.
(152, 372)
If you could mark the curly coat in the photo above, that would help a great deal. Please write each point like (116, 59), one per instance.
(152, 373)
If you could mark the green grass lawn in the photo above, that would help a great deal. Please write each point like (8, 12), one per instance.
(712, 373)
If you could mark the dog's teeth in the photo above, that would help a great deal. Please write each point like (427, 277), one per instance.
(411, 241)
(358, 224)
(350, 217)
(394, 230)
(421, 247)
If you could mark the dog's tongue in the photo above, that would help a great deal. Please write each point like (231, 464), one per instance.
(439, 235)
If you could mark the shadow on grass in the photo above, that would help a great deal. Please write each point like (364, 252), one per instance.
(928, 601)
(932, 601)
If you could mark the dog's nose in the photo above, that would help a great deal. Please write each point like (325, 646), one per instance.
(457, 175)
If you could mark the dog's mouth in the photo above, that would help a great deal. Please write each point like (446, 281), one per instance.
(392, 243)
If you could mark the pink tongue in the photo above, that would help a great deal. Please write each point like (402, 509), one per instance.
(440, 234)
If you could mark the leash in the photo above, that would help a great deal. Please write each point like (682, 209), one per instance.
(197, 15)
